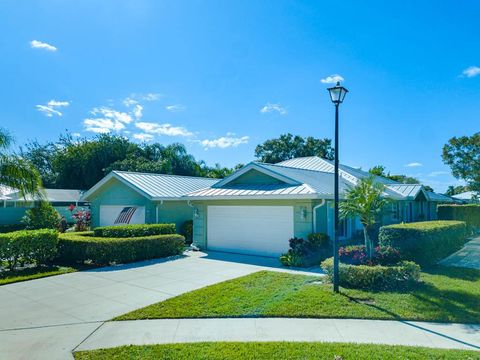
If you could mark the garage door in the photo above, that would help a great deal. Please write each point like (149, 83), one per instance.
(121, 215)
(253, 230)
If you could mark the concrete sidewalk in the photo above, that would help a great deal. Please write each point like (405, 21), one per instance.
(143, 332)
(468, 256)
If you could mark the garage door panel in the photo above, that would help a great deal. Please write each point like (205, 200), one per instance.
(121, 215)
(256, 230)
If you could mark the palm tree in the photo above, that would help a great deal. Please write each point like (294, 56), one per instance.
(366, 202)
(16, 172)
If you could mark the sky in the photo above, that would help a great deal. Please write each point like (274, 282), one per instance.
(224, 76)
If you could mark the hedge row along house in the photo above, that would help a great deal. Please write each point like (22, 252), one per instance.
(257, 209)
(13, 204)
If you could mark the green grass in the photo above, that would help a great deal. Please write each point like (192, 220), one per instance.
(8, 277)
(272, 350)
(445, 294)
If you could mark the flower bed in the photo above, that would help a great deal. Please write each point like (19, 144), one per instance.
(378, 277)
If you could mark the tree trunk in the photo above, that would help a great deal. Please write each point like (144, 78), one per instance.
(368, 243)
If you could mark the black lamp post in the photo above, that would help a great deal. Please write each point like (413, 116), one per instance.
(337, 94)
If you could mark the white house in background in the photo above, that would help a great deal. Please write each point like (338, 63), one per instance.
(468, 197)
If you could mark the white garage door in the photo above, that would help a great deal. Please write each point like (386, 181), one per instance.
(121, 215)
(255, 230)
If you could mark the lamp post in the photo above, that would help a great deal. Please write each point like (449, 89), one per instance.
(337, 94)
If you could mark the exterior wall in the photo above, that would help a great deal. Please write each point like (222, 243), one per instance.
(117, 193)
(255, 177)
(176, 212)
(302, 227)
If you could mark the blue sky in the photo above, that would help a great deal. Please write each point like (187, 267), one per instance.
(223, 76)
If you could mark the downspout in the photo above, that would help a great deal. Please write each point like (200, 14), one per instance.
(315, 215)
(156, 210)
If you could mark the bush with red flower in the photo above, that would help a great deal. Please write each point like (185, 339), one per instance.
(82, 218)
(357, 255)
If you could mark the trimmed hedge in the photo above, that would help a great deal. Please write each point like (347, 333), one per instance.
(378, 277)
(124, 231)
(424, 242)
(81, 247)
(469, 213)
(28, 246)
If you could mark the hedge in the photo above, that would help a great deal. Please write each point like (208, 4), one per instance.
(81, 247)
(378, 277)
(424, 242)
(469, 213)
(123, 231)
(28, 246)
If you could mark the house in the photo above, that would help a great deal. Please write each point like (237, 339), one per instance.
(124, 197)
(257, 209)
(468, 197)
(13, 204)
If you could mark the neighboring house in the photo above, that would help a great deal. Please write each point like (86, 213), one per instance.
(124, 197)
(468, 197)
(13, 205)
(257, 209)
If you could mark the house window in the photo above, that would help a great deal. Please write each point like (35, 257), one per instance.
(343, 228)
(395, 211)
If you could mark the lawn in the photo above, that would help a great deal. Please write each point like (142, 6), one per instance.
(446, 294)
(8, 277)
(274, 350)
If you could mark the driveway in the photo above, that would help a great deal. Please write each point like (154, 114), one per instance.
(47, 318)
(468, 256)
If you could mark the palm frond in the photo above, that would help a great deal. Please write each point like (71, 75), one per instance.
(19, 174)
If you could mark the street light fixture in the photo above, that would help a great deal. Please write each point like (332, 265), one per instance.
(337, 94)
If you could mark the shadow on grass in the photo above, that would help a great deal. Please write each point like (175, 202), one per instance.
(454, 272)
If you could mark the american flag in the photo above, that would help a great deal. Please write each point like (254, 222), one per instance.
(125, 215)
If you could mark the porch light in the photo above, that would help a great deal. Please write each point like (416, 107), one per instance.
(337, 93)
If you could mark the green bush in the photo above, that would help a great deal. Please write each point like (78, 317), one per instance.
(42, 216)
(378, 277)
(28, 246)
(319, 240)
(307, 253)
(187, 231)
(81, 247)
(424, 242)
(124, 231)
(469, 213)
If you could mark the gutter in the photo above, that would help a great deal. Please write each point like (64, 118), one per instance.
(315, 215)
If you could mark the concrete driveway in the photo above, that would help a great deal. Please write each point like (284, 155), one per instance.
(468, 256)
(47, 318)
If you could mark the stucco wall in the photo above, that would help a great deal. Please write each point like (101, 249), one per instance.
(176, 212)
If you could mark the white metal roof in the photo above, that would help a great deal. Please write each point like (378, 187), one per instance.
(155, 186)
(467, 195)
(51, 195)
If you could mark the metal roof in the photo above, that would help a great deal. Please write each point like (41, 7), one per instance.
(51, 195)
(467, 195)
(432, 196)
(155, 186)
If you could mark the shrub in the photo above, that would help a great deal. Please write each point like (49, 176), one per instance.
(378, 277)
(187, 231)
(306, 253)
(42, 216)
(124, 231)
(469, 213)
(28, 246)
(81, 247)
(357, 255)
(424, 242)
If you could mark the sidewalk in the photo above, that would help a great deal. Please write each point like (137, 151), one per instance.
(144, 332)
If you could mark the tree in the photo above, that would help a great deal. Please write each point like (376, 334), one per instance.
(462, 154)
(364, 201)
(15, 171)
(42, 216)
(288, 146)
(454, 190)
(380, 170)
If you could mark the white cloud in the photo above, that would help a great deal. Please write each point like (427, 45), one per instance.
(138, 111)
(35, 44)
(151, 97)
(115, 115)
(129, 102)
(163, 129)
(76, 134)
(143, 137)
(332, 79)
(225, 141)
(438, 173)
(273, 107)
(102, 126)
(414, 164)
(175, 108)
(50, 109)
(471, 71)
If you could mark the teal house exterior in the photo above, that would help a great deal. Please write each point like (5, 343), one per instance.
(257, 209)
